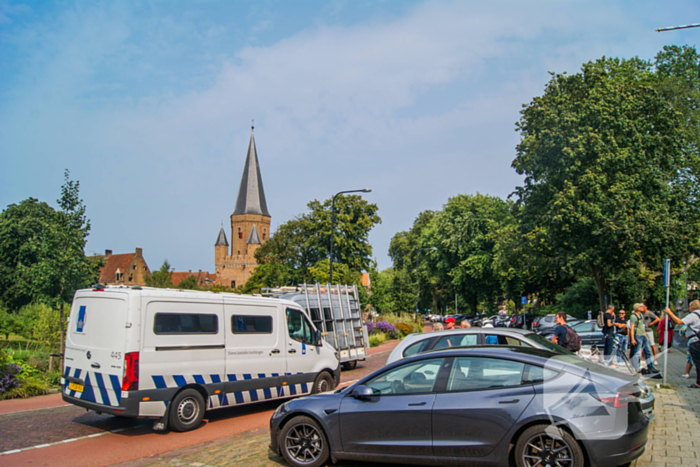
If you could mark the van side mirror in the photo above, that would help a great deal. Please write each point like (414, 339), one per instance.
(362, 392)
(319, 339)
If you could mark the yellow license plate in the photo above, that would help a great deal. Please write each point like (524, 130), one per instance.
(75, 387)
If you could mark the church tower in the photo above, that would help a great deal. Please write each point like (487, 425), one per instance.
(250, 226)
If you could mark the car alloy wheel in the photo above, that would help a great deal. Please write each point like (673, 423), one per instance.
(547, 451)
(304, 444)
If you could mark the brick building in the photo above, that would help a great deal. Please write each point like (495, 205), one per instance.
(250, 226)
(204, 279)
(124, 269)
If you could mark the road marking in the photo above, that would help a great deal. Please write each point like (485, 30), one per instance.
(70, 440)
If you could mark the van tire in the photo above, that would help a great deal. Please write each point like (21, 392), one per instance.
(324, 382)
(187, 410)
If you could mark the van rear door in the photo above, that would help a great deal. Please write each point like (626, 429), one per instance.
(95, 344)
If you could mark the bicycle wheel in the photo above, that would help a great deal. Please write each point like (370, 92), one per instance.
(628, 364)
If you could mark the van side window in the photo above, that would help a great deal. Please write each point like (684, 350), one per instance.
(250, 324)
(185, 323)
(299, 328)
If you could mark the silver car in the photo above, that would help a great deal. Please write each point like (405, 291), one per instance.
(418, 343)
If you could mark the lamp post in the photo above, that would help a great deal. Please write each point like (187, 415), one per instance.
(685, 279)
(417, 257)
(330, 259)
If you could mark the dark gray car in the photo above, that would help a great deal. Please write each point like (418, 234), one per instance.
(468, 407)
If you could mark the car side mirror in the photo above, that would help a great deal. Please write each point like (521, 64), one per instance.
(362, 392)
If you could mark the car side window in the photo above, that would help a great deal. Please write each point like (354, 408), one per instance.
(585, 327)
(457, 340)
(537, 374)
(411, 378)
(298, 327)
(477, 373)
(417, 347)
(494, 339)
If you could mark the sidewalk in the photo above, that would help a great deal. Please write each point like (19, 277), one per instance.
(32, 403)
(671, 437)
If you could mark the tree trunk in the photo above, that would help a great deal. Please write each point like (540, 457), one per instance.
(600, 284)
(475, 303)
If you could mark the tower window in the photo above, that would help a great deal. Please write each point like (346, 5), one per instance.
(264, 233)
(240, 234)
(239, 252)
(233, 284)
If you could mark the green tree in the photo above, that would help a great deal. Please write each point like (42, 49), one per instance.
(607, 173)
(162, 278)
(465, 234)
(42, 255)
(301, 243)
(189, 283)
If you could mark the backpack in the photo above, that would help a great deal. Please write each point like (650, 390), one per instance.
(572, 341)
(601, 319)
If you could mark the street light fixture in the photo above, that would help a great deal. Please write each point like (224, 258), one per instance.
(330, 259)
(417, 282)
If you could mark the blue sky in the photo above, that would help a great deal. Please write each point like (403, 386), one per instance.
(149, 104)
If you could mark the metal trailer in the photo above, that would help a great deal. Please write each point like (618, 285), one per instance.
(335, 311)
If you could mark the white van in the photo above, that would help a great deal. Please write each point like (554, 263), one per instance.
(172, 354)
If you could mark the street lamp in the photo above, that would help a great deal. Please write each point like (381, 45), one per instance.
(685, 279)
(417, 283)
(330, 259)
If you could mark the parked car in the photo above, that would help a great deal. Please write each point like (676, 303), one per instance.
(591, 334)
(472, 406)
(415, 344)
(522, 321)
(546, 322)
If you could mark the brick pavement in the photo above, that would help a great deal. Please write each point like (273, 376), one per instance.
(671, 437)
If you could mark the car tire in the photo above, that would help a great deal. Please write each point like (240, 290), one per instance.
(536, 443)
(324, 382)
(303, 443)
(186, 410)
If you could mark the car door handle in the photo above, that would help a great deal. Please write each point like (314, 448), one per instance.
(292, 350)
(275, 351)
(514, 401)
(417, 404)
(95, 365)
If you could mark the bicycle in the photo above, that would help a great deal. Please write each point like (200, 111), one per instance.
(617, 352)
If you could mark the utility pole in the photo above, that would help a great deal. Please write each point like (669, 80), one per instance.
(675, 28)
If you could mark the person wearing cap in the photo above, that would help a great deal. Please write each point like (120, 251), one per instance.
(450, 323)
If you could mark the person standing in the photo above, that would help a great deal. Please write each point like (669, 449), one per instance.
(450, 323)
(621, 332)
(693, 333)
(665, 330)
(638, 338)
(608, 334)
(650, 319)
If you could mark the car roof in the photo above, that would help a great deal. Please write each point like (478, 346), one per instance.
(490, 351)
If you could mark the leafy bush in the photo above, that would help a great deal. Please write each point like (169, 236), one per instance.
(387, 328)
(9, 374)
(404, 329)
(376, 339)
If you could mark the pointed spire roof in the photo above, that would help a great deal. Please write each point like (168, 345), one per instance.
(222, 237)
(254, 238)
(251, 195)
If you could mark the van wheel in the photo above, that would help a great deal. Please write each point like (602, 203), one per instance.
(323, 383)
(303, 443)
(547, 445)
(187, 410)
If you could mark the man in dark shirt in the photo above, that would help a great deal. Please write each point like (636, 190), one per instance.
(622, 331)
(608, 334)
(560, 329)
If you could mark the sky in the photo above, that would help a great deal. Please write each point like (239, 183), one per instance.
(149, 104)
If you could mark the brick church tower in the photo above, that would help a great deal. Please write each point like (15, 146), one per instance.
(250, 226)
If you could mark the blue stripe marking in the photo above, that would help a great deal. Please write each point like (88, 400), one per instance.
(232, 377)
(66, 372)
(199, 379)
(215, 378)
(247, 376)
(114, 379)
(103, 389)
(159, 381)
(223, 400)
(266, 391)
(293, 389)
(180, 380)
(76, 373)
(88, 393)
(239, 397)
(304, 387)
(253, 394)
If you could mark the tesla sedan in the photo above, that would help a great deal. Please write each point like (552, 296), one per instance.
(472, 406)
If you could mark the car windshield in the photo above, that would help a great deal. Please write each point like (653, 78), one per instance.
(549, 345)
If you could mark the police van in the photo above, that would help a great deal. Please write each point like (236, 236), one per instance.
(171, 355)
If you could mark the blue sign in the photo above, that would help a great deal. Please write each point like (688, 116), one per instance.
(524, 301)
(240, 324)
(667, 273)
(80, 325)
(303, 348)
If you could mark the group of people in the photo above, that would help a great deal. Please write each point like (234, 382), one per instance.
(450, 324)
(637, 332)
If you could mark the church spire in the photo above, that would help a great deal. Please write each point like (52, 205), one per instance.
(251, 195)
